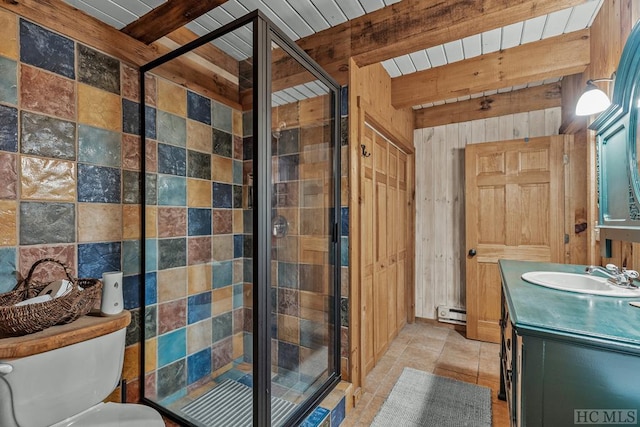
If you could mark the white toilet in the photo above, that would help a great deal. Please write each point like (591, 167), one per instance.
(66, 387)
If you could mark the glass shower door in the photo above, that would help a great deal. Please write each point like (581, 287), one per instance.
(303, 203)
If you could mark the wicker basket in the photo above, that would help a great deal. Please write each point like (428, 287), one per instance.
(30, 318)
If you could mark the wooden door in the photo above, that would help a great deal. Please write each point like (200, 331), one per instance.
(514, 210)
(381, 250)
(367, 232)
(385, 226)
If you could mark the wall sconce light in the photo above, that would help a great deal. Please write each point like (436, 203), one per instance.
(593, 100)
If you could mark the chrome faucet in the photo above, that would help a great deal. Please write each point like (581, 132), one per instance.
(616, 276)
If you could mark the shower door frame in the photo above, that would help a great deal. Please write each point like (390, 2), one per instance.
(264, 33)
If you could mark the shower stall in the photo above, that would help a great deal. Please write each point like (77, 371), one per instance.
(241, 227)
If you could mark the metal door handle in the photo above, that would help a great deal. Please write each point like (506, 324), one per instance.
(472, 253)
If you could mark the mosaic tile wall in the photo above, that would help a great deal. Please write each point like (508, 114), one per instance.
(70, 169)
(194, 317)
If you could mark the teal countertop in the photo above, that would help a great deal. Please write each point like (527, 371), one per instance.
(595, 320)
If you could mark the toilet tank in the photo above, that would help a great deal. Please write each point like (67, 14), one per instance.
(52, 386)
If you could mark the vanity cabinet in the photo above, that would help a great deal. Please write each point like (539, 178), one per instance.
(567, 358)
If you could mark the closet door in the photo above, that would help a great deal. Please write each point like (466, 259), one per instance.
(366, 255)
(382, 252)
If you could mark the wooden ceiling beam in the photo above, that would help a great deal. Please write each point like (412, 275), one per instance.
(411, 25)
(517, 101)
(168, 17)
(65, 19)
(548, 58)
(208, 51)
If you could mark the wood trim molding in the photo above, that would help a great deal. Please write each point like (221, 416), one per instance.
(168, 17)
(548, 58)
(517, 101)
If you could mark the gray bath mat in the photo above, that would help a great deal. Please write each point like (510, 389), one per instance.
(230, 404)
(422, 399)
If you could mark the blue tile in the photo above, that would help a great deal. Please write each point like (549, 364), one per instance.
(222, 195)
(198, 107)
(45, 49)
(317, 417)
(172, 191)
(344, 221)
(238, 295)
(8, 269)
(221, 326)
(99, 146)
(131, 257)
(150, 288)
(172, 346)
(338, 413)
(288, 275)
(98, 70)
(222, 117)
(238, 245)
(172, 160)
(247, 247)
(237, 172)
(199, 307)
(131, 292)
(130, 187)
(8, 81)
(98, 184)
(47, 223)
(199, 222)
(246, 380)
(150, 122)
(172, 253)
(96, 258)
(172, 380)
(171, 128)
(47, 136)
(231, 374)
(344, 100)
(8, 129)
(222, 274)
(130, 117)
(198, 365)
(288, 356)
(151, 255)
(344, 251)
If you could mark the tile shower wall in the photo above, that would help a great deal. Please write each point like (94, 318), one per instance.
(194, 324)
(70, 168)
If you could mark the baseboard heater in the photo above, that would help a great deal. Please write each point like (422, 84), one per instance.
(454, 315)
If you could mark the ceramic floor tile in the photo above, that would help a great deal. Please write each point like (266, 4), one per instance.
(456, 358)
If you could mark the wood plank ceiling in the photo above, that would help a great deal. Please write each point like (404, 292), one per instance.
(421, 44)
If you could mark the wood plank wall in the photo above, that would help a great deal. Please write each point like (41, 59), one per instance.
(440, 240)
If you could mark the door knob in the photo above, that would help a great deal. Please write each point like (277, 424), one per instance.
(472, 252)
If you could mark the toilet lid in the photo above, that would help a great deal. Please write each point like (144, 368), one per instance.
(115, 415)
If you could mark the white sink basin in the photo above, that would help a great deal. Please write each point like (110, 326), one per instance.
(582, 283)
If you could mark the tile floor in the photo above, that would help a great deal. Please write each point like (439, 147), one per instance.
(441, 350)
